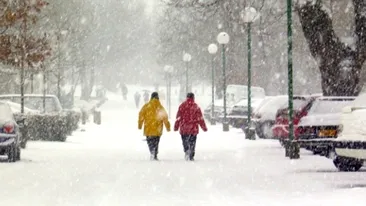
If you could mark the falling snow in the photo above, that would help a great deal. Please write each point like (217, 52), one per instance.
(86, 68)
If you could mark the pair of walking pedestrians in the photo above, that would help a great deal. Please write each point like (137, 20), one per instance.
(189, 116)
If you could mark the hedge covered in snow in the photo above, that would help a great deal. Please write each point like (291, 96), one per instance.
(49, 127)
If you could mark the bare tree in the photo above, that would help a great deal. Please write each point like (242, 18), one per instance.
(340, 62)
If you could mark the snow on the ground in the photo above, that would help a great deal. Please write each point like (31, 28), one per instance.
(109, 165)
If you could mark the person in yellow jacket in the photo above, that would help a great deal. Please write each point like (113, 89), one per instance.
(152, 116)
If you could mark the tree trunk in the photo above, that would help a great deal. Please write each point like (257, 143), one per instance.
(339, 62)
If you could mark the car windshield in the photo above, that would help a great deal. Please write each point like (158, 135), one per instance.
(327, 106)
(35, 103)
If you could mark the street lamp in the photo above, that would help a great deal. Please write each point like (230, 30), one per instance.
(292, 147)
(223, 39)
(249, 15)
(187, 58)
(169, 70)
(212, 49)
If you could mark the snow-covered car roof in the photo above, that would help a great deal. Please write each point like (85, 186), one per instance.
(269, 109)
(326, 111)
(35, 101)
(299, 101)
(264, 102)
(244, 102)
(16, 108)
(321, 120)
(326, 105)
(360, 101)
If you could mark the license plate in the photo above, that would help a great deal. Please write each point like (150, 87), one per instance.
(328, 133)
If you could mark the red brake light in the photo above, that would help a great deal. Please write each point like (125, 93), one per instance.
(8, 128)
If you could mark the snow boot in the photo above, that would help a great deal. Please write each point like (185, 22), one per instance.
(153, 157)
(186, 156)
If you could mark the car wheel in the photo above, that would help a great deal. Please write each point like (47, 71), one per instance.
(265, 130)
(18, 153)
(12, 153)
(347, 164)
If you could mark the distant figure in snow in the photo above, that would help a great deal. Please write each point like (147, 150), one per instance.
(189, 117)
(124, 91)
(146, 97)
(152, 116)
(137, 99)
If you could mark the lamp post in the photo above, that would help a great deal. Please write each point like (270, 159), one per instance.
(249, 15)
(292, 148)
(169, 70)
(223, 39)
(212, 49)
(187, 58)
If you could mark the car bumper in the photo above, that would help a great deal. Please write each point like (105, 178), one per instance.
(353, 153)
(323, 147)
(354, 149)
(8, 139)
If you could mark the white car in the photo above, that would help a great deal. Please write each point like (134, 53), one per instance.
(265, 114)
(238, 114)
(320, 127)
(350, 146)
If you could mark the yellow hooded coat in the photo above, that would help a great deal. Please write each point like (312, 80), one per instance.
(152, 116)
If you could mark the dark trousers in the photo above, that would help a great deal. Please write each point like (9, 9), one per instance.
(189, 145)
(153, 143)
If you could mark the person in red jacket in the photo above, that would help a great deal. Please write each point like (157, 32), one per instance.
(189, 117)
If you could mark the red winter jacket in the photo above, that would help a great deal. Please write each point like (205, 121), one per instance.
(189, 116)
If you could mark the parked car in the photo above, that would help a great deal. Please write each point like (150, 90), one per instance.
(219, 109)
(236, 92)
(350, 146)
(301, 106)
(9, 133)
(264, 116)
(320, 127)
(238, 114)
(16, 108)
(35, 102)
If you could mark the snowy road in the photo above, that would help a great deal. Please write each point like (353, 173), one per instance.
(109, 165)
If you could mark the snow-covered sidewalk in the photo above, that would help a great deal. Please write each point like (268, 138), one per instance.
(109, 165)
